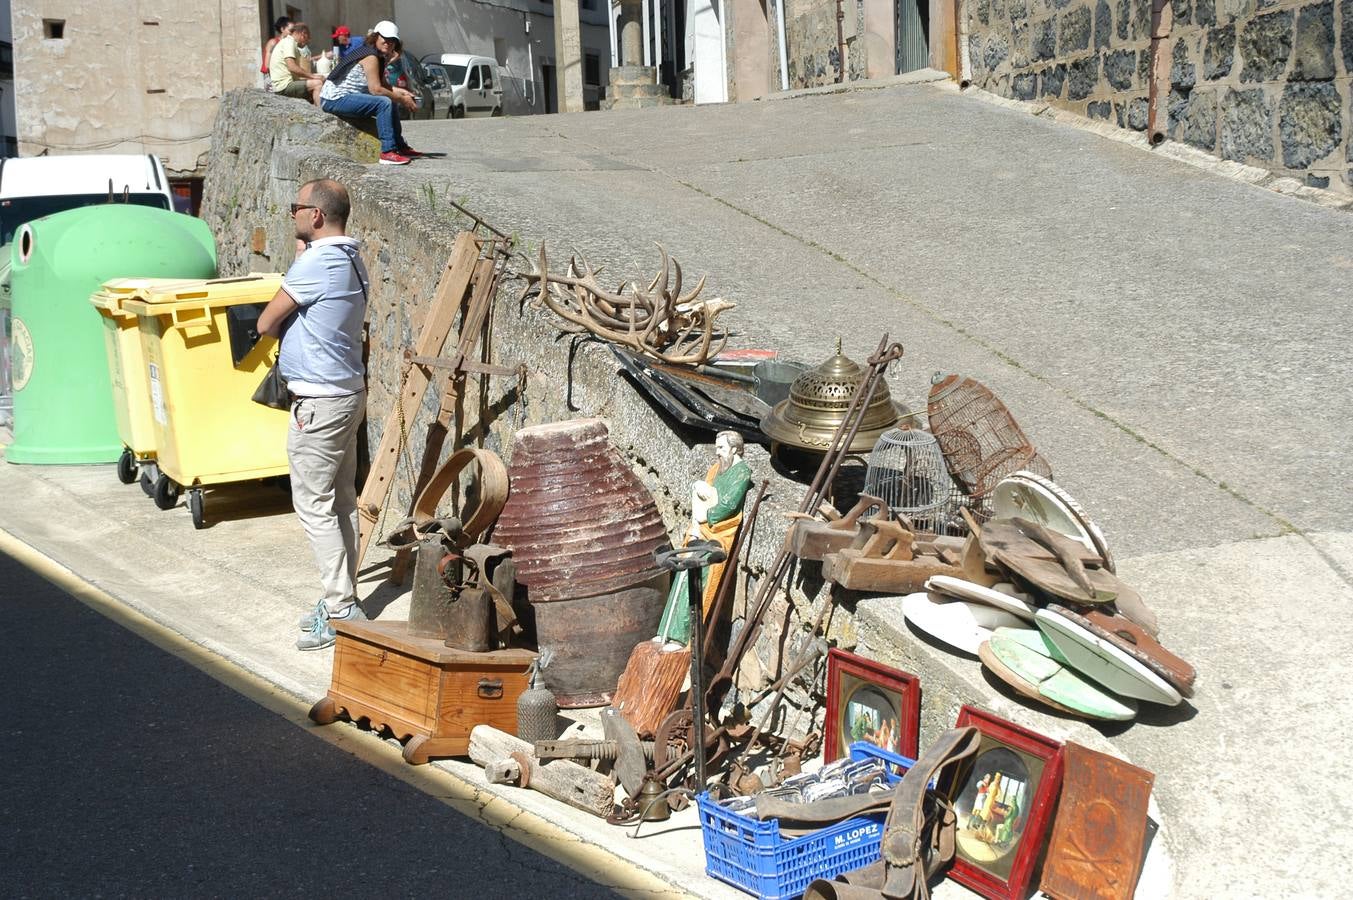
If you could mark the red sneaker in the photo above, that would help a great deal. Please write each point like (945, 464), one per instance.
(391, 158)
(410, 152)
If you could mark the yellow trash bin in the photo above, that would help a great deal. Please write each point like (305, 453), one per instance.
(127, 369)
(202, 367)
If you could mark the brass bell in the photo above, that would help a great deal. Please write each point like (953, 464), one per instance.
(817, 405)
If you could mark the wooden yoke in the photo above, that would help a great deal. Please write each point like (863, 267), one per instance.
(441, 316)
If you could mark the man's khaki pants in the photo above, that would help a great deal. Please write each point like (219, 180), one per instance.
(322, 452)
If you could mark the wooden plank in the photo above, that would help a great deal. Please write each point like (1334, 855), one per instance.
(576, 785)
(888, 576)
(1099, 837)
(387, 680)
(441, 316)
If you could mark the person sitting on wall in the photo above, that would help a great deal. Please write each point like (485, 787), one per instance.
(357, 88)
(342, 38)
(289, 74)
(280, 29)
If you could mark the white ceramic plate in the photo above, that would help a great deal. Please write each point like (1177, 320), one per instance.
(958, 623)
(1033, 497)
(1009, 599)
(1101, 661)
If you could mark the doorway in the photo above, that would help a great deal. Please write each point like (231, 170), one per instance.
(913, 35)
(547, 87)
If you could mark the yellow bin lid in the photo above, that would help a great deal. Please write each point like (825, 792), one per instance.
(114, 292)
(172, 297)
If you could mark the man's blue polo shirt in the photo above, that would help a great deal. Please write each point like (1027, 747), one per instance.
(322, 348)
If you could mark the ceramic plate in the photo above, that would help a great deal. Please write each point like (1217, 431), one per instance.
(1031, 496)
(1101, 661)
(957, 623)
(1002, 596)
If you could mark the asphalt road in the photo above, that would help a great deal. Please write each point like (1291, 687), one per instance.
(129, 772)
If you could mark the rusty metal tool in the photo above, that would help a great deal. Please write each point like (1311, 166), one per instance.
(812, 500)
(695, 555)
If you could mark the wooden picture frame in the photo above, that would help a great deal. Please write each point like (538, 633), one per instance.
(995, 852)
(868, 693)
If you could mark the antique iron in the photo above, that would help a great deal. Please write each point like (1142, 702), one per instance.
(818, 403)
(582, 529)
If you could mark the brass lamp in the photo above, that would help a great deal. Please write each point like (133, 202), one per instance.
(817, 404)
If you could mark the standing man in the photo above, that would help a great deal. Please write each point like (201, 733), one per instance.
(287, 67)
(319, 311)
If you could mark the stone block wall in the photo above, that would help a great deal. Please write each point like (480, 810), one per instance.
(1262, 82)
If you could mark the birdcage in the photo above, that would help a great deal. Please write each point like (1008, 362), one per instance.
(981, 442)
(906, 470)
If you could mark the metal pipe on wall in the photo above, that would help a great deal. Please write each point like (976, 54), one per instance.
(784, 55)
(612, 11)
(1162, 23)
(964, 46)
(840, 42)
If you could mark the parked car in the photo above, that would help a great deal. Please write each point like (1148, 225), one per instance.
(439, 80)
(475, 86)
(407, 73)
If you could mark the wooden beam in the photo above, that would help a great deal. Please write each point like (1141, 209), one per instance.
(441, 316)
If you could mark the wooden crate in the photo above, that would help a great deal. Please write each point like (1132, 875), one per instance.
(427, 694)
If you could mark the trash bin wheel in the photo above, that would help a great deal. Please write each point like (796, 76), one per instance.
(126, 466)
(166, 494)
(147, 483)
(195, 503)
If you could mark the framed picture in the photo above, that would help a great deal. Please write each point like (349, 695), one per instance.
(868, 701)
(1004, 804)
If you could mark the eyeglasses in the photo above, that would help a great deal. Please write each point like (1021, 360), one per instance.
(297, 207)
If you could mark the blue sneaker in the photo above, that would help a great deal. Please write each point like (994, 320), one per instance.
(307, 622)
(322, 634)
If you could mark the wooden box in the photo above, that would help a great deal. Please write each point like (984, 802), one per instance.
(426, 693)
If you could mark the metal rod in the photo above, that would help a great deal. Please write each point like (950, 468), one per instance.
(697, 678)
(728, 583)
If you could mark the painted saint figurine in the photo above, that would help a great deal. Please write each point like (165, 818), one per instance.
(716, 513)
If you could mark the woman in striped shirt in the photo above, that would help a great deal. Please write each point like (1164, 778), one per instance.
(356, 88)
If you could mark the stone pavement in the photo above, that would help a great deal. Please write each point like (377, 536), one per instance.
(1173, 341)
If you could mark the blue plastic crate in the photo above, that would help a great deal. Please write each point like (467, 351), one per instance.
(751, 855)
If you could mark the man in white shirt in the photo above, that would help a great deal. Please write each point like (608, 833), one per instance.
(319, 312)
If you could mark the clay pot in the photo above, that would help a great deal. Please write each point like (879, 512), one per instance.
(582, 529)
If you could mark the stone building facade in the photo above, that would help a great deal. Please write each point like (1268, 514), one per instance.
(146, 77)
(1262, 82)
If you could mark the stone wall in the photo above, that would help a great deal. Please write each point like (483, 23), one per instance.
(1260, 82)
(264, 147)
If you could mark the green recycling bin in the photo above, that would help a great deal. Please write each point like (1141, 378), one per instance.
(63, 399)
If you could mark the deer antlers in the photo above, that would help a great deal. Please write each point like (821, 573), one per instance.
(659, 322)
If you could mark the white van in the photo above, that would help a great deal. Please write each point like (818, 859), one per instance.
(475, 86)
(37, 186)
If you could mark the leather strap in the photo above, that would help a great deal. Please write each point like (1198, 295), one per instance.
(493, 487)
(918, 835)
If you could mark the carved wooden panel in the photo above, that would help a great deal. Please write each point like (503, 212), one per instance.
(1098, 837)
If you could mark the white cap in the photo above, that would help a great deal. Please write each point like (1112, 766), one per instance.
(387, 29)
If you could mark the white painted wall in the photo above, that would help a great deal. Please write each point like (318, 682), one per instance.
(707, 47)
(470, 26)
